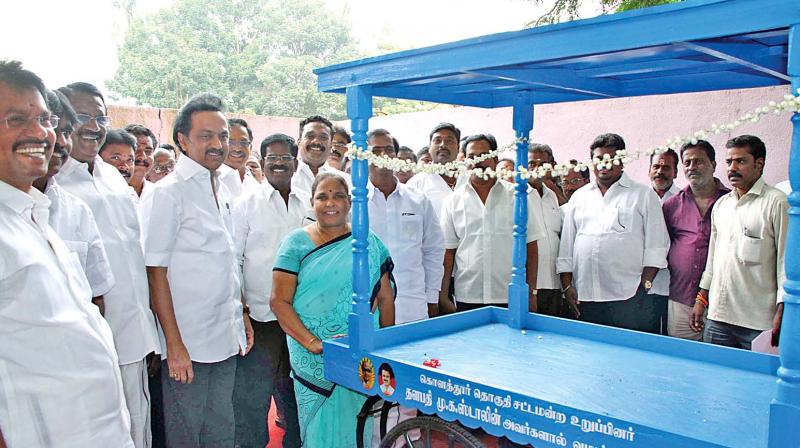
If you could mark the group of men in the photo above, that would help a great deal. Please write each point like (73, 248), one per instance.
(117, 250)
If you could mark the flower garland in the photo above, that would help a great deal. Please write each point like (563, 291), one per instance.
(790, 103)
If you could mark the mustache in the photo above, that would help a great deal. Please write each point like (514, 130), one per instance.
(316, 146)
(29, 141)
(732, 175)
(144, 162)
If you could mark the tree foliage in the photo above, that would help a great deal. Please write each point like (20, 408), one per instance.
(565, 10)
(256, 54)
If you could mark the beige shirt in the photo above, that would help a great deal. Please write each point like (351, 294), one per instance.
(744, 271)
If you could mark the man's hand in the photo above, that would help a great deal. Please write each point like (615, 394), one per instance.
(446, 306)
(179, 363)
(776, 325)
(433, 309)
(533, 302)
(571, 296)
(248, 332)
(698, 312)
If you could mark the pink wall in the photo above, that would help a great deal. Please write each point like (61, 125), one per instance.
(643, 121)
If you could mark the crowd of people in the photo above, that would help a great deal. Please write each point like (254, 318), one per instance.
(160, 295)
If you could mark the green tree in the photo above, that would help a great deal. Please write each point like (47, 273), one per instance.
(256, 54)
(569, 9)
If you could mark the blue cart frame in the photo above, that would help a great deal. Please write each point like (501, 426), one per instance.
(553, 382)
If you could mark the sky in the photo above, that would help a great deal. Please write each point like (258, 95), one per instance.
(89, 51)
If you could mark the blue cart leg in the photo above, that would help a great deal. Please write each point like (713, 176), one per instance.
(784, 422)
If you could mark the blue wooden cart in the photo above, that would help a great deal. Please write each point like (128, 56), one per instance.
(552, 382)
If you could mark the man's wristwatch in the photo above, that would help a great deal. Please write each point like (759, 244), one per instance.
(647, 285)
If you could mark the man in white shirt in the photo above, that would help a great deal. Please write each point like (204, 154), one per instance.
(119, 151)
(60, 381)
(194, 278)
(316, 140)
(234, 173)
(127, 304)
(544, 198)
(444, 141)
(143, 159)
(478, 225)
(742, 285)
(70, 217)
(263, 218)
(663, 169)
(613, 242)
(404, 219)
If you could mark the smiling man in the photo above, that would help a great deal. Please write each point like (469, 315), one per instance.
(444, 141)
(263, 218)
(613, 242)
(101, 186)
(316, 141)
(234, 173)
(119, 151)
(143, 160)
(742, 285)
(61, 383)
(194, 281)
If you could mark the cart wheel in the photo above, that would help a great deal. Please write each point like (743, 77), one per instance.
(431, 429)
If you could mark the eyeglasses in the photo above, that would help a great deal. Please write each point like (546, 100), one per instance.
(160, 169)
(47, 121)
(283, 158)
(101, 120)
(339, 144)
(240, 143)
(575, 181)
(66, 131)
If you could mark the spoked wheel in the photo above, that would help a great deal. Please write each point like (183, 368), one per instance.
(432, 432)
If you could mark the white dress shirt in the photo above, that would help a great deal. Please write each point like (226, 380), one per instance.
(661, 281)
(192, 236)
(237, 187)
(406, 223)
(785, 187)
(59, 376)
(483, 237)
(745, 265)
(303, 178)
(262, 220)
(435, 188)
(128, 302)
(607, 240)
(74, 223)
(547, 207)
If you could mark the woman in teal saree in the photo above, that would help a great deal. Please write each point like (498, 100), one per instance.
(311, 297)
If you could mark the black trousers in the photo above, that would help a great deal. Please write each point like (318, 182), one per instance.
(642, 312)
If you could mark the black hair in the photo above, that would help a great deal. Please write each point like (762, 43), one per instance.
(60, 105)
(387, 368)
(670, 152)
(445, 126)
(119, 137)
(323, 176)
(205, 102)
(702, 144)
(754, 145)
(338, 130)
(278, 138)
(542, 147)
(395, 143)
(584, 173)
(379, 132)
(423, 151)
(614, 141)
(167, 146)
(506, 159)
(408, 150)
(83, 87)
(317, 119)
(489, 138)
(138, 130)
(12, 74)
(242, 123)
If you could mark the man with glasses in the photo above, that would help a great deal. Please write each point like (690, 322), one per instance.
(70, 217)
(145, 146)
(163, 164)
(58, 353)
(316, 140)
(234, 173)
(101, 186)
(573, 180)
(263, 218)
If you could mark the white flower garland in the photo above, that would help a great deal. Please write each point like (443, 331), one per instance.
(790, 103)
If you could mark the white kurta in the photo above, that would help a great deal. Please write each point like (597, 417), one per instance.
(74, 223)
(546, 206)
(406, 223)
(262, 220)
(435, 189)
(59, 376)
(192, 236)
(128, 302)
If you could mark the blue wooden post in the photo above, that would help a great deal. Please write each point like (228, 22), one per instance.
(359, 109)
(518, 288)
(784, 421)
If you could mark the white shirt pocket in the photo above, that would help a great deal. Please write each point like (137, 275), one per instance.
(750, 250)
(410, 228)
(80, 249)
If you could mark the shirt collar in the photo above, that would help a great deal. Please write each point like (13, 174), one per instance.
(19, 201)
(188, 168)
(757, 187)
(624, 181)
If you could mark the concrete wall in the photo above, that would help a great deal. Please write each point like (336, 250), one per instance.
(569, 128)
(644, 122)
